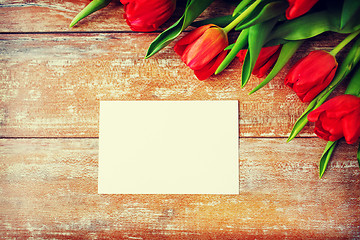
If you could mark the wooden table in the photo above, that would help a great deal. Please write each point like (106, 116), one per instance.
(52, 79)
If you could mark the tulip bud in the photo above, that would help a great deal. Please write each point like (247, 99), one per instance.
(267, 58)
(299, 7)
(147, 15)
(312, 74)
(339, 117)
(203, 49)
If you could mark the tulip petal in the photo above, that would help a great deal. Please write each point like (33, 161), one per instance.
(351, 127)
(320, 131)
(317, 88)
(338, 107)
(263, 64)
(310, 75)
(291, 77)
(342, 105)
(298, 7)
(265, 54)
(313, 116)
(314, 67)
(241, 55)
(181, 45)
(147, 16)
(211, 67)
(333, 126)
(199, 53)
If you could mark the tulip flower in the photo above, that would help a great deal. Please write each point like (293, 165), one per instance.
(266, 59)
(147, 15)
(203, 49)
(339, 117)
(299, 7)
(312, 74)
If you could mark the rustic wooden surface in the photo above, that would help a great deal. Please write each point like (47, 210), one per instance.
(52, 79)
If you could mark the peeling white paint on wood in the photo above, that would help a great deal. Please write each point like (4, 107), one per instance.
(55, 73)
(51, 85)
(47, 179)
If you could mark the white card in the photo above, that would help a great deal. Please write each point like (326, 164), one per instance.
(168, 147)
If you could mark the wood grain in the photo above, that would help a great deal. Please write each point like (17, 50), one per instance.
(55, 16)
(52, 79)
(49, 190)
(51, 84)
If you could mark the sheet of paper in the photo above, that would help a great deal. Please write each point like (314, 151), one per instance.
(168, 147)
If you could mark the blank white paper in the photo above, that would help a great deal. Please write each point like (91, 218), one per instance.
(168, 147)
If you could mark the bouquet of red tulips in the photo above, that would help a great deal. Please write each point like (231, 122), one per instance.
(269, 33)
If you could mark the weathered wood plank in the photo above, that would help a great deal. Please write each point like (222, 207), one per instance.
(49, 190)
(49, 16)
(51, 84)
(53, 16)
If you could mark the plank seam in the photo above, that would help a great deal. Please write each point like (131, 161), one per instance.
(82, 32)
(247, 137)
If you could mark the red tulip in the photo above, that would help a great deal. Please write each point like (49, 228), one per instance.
(147, 15)
(299, 7)
(312, 74)
(339, 117)
(203, 49)
(266, 59)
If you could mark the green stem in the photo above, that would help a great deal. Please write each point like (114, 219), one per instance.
(241, 17)
(89, 9)
(241, 6)
(341, 45)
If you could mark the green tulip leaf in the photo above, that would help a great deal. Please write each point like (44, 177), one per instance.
(257, 37)
(229, 47)
(302, 120)
(239, 44)
(353, 87)
(350, 10)
(344, 69)
(278, 41)
(92, 7)
(342, 16)
(325, 158)
(268, 44)
(221, 21)
(312, 24)
(300, 28)
(241, 6)
(287, 51)
(193, 9)
(263, 13)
